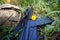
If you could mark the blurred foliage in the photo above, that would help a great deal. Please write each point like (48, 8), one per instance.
(42, 8)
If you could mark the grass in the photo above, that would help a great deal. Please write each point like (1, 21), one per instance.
(44, 8)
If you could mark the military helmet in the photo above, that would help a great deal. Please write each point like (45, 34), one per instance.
(9, 15)
(9, 6)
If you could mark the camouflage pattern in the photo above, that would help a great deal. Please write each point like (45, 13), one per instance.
(9, 15)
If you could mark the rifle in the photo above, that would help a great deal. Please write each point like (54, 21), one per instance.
(29, 25)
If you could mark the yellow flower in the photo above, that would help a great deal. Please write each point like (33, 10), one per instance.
(33, 17)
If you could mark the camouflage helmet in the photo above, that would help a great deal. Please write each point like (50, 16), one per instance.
(9, 6)
(9, 15)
